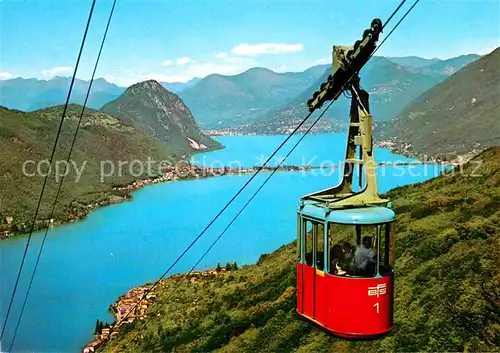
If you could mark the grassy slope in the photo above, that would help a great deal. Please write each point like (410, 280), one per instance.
(30, 136)
(458, 115)
(447, 296)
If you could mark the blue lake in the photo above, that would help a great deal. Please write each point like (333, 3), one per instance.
(87, 265)
(313, 150)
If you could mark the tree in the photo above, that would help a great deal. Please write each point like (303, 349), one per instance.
(228, 266)
(96, 329)
(218, 268)
(235, 266)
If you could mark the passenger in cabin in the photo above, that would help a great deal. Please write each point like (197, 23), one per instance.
(349, 257)
(363, 256)
(336, 259)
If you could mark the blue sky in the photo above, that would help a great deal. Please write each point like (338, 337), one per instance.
(177, 40)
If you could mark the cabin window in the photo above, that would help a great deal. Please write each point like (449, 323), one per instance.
(313, 239)
(361, 251)
(320, 246)
(385, 249)
(308, 242)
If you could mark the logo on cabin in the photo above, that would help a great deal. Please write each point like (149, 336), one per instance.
(380, 289)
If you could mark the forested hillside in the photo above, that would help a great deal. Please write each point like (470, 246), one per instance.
(27, 140)
(447, 296)
(459, 115)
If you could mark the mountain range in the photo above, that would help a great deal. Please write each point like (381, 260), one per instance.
(32, 94)
(29, 94)
(445, 67)
(224, 101)
(391, 86)
(458, 116)
(255, 96)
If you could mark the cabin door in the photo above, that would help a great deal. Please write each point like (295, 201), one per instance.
(308, 268)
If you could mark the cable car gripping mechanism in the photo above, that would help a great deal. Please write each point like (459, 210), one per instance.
(347, 62)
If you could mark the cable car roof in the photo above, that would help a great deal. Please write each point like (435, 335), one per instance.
(358, 215)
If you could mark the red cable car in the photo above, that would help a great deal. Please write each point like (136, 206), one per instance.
(346, 289)
(341, 300)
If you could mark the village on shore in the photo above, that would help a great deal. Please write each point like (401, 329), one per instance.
(135, 304)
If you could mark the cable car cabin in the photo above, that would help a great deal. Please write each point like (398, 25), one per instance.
(348, 293)
(335, 290)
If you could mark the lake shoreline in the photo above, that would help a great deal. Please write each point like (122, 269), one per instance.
(389, 143)
(186, 171)
(122, 193)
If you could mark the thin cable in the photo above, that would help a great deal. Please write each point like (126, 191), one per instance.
(64, 174)
(394, 28)
(393, 13)
(237, 215)
(50, 163)
(217, 216)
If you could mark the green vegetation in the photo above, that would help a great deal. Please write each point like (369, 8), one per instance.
(447, 274)
(455, 117)
(99, 325)
(160, 113)
(30, 136)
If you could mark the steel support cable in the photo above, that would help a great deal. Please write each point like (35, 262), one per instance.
(394, 28)
(46, 177)
(393, 14)
(265, 182)
(238, 214)
(64, 173)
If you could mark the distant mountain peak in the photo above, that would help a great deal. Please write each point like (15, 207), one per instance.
(148, 85)
(155, 110)
(257, 69)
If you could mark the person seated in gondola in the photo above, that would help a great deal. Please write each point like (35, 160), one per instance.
(336, 259)
(348, 251)
(363, 257)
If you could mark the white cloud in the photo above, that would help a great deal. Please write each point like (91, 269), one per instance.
(246, 49)
(5, 75)
(243, 62)
(167, 63)
(222, 55)
(184, 60)
(186, 69)
(57, 70)
(322, 61)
